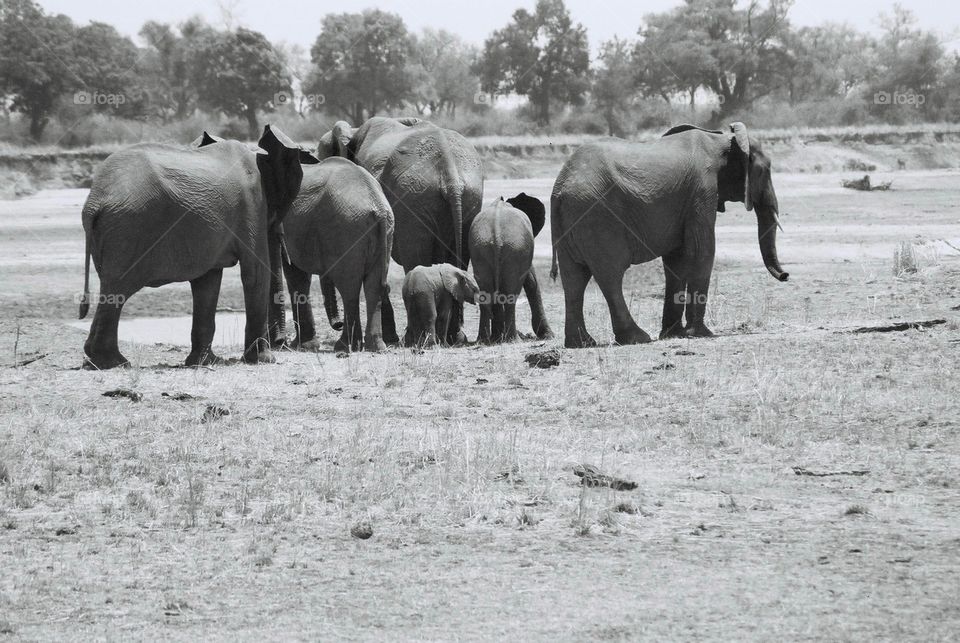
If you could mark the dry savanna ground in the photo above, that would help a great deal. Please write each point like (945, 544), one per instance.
(795, 479)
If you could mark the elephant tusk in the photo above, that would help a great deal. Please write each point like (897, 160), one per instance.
(776, 218)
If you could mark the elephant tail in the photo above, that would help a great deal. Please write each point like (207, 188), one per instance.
(384, 246)
(452, 187)
(88, 218)
(554, 233)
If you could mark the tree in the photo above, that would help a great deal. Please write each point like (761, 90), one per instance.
(166, 66)
(614, 84)
(239, 72)
(37, 62)
(830, 60)
(107, 63)
(360, 63)
(739, 54)
(441, 72)
(542, 56)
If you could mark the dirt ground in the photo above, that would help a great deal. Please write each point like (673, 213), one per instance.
(795, 479)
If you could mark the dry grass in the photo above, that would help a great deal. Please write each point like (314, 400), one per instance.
(144, 519)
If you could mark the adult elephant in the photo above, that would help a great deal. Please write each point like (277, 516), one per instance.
(433, 180)
(617, 203)
(158, 214)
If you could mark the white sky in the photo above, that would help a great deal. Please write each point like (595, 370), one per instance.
(298, 21)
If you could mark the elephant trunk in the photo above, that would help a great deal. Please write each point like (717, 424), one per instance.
(457, 205)
(767, 224)
(277, 316)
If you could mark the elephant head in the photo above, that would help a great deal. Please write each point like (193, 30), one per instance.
(533, 208)
(280, 171)
(459, 283)
(336, 142)
(747, 178)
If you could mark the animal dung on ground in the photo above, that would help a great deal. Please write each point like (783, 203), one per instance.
(362, 530)
(133, 396)
(900, 327)
(590, 476)
(214, 412)
(543, 359)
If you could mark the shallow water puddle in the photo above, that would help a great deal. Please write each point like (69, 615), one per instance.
(174, 330)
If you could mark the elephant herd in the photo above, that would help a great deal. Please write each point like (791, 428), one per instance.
(406, 189)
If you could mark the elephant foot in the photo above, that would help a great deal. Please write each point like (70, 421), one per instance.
(674, 331)
(281, 341)
(544, 333)
(459, 339)
(336, 323)
(343, 346)
(259, 357)
(375, 344)
(203, 357)
(579, 340)
(309, 346)
(104, 361)
(698, 330)
(632, 336)
(391, 339)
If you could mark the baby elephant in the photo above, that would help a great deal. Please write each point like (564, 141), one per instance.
(501, 248)
(430, 294)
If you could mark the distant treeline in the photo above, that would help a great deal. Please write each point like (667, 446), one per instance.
(707, 61)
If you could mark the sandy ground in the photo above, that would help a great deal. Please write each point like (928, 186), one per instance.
(160, 518)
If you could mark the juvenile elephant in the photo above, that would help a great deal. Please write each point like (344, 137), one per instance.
(341, 227)
(431, 295)
(433, 180)
(158, 214)
(617, 203)
(501, 247)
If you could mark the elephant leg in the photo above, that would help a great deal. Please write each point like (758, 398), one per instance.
(298, 283)
(454, 335)
(387, 320)
(445, 319)
(372, 290)
(206, 293)
(483, 333)
(510, 321)
(101, 350)
(575, 278)
(625, 329)
(255, 278)
(698, 287)
(351, 338)
(674, 296)
(531, 287)
(329, 292)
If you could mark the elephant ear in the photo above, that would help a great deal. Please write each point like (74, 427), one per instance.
(341, 135)
(306, 158)
(533, 208)
(686, 127)
(409, 121)
(459, 284)
(742, 141)
(280, 171)
(205, 139)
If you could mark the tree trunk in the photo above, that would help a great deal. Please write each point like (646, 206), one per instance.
(693, 99)
(38, 121)
(252, 126)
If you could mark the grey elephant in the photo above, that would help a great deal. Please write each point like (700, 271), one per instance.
(618, 203)
(501, 248)
(341, 227)
(158, 214)
(431, 295)
(433, 180)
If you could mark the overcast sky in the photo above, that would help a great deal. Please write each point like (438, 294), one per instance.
(298, 21)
